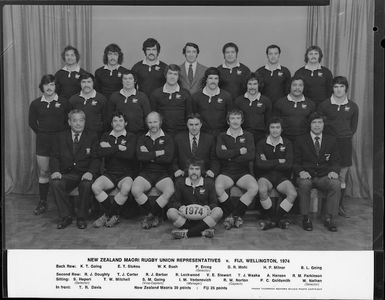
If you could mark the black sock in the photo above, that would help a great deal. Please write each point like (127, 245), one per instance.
(227, 207)
(197, 229)
(269, 213)
(147, 206)
(106, 206)
(186, 225)
(43, 191)
(115, 208)
(240, 209)
(155, 208)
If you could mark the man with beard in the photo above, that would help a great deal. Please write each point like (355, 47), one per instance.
(108, 79)
(155, 151)
(150, 71)
(212, 103)
(194, 208)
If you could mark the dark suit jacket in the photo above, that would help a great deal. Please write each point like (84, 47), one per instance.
(195, 86)
(205, 152)
(305, 157)
(63, 160)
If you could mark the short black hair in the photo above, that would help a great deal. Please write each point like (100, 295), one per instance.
(196, 162)
(119, 114)
(113, 48)
(149, 43)
(190, 44)
(297, 77)
(69, 48)
(46, 79)
(255, 76)
(172, 67)
(210, 71)
(128, 72)
(273, 46)
(194, 116)
(86, 75)
(316, 115)
(341, 80)
(274, 120)
(230, 45)
(235, 112)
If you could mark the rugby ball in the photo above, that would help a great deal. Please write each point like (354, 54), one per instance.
(195, 212)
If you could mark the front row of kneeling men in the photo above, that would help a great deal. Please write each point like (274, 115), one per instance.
(196, 203)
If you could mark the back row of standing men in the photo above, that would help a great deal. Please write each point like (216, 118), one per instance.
(211, 92)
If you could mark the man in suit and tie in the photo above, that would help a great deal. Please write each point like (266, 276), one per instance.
(195, 144)
(316, 164)
(74, 164)
(192, 72)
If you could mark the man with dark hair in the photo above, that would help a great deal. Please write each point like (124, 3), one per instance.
(192, 71)
(150, 71)
(276, 78)
(47, 117)
(212, 103)
(68, 77)
(118, 150)
(294, 110)
(317, 78)
(92, 103)
(172, 102)
(108, 79)
(236, 151)
(232, 72)
(132, 103)
(255, 107)
(274, 160)
(155, 150)
(74, 164)
(316, 164)
(195, 144)
(194, 207)
(341, 122)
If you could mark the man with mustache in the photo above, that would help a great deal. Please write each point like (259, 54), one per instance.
(294, 109)
(172, 102)
(108, 79)
(92, 103)
(197, 191)
(256, 107)
(155, 150)
(212, 103)
(150, 70)
(317, 78)
(276, 78)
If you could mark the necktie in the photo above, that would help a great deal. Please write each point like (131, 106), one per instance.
(317, 145)
(75, 144)
(190, 74)
(194, 146)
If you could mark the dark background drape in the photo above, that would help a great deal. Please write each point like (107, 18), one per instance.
(344, 31)
(34, 37)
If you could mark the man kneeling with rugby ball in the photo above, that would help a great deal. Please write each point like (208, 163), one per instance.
(194, 207)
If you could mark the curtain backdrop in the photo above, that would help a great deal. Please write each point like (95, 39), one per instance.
(344, 31)
(34, 37)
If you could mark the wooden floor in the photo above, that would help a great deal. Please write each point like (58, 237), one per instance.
(26, 231)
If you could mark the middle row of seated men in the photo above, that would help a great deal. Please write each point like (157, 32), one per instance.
(195, 203)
